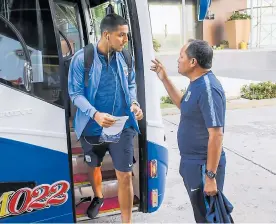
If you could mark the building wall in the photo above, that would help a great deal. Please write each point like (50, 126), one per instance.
(213, 30)
(234, 68)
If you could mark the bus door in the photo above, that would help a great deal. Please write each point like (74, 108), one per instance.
(77, 24)
(35, 180)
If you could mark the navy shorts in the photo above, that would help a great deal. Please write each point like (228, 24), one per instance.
(122, 153)
(193, 175)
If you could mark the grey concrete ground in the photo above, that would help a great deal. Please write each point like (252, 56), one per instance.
(250, 144)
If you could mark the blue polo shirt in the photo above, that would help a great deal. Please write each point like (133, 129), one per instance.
(110, 97)
(203, 106)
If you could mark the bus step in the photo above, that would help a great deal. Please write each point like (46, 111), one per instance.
(84, 199)
(77, 151)
(110, 205)
(82, 179)
(109, 189)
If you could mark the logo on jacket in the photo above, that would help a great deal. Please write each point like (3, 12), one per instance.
(125, 68)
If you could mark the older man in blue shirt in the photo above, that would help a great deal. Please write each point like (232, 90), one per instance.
(201, 127)
(110, 92)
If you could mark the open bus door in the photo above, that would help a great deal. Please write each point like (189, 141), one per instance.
(150, 169)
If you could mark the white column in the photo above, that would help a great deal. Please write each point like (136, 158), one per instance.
(183, 23)
(251, 22)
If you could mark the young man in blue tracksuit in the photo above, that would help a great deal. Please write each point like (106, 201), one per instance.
(201, 127)
(110, 92)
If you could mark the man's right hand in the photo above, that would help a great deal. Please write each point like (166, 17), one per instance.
(159, 69)
(175, 94)
(104, 120)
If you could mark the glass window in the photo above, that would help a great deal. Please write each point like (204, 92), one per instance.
(33, 20)
(99, 12)
(68, 24)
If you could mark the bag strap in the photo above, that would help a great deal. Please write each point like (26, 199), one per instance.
(88, 60)
(128, 60)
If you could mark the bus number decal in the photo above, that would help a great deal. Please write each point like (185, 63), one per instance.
(59, 192)
(26, 194)
(27, 199)
(39, 194)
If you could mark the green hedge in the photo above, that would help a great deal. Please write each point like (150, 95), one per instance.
(167, 99)
(258, 91)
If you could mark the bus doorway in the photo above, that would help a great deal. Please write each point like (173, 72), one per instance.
(70, 31)
(44, 178)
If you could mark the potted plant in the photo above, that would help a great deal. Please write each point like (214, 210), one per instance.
(238, 29)
(224, 44)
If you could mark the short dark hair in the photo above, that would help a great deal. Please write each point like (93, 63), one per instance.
(111, 22)
(191, 40)
(201, 51)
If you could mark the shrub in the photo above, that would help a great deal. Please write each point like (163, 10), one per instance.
(183, 91)
(156, 45)
(225, 42)
(263, 90)
(167, 99)
(239, 16)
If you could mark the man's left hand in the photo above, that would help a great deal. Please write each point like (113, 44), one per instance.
(137, 111)
(210, 187)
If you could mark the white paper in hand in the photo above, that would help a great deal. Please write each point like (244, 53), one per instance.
(117, 127)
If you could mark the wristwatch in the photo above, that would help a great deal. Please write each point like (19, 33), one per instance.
(210, 174)
(136, 103)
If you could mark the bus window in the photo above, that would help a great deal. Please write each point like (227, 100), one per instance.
(33, 20)
(69, 26)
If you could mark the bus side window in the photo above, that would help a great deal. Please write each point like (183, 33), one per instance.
(33, 20)
(12, 57)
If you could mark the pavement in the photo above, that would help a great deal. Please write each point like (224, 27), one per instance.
(250, 184)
